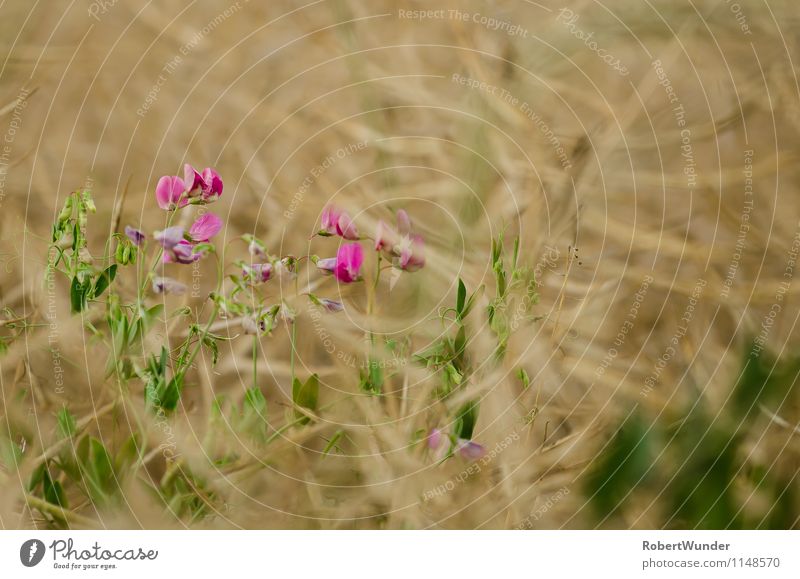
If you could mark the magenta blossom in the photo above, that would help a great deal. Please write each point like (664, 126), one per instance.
(205, 227)
(205, 187)
(257, 272)
(183, 252)
(338, 222)
(136, 236)
(349, 259)
(170, 193)
(406, 248)
(179, 247)
(470, 450)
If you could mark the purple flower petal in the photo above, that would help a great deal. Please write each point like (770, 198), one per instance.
(257, 272)
(470, 450)
(136, 236)
(331, 306)
(167, 285)
(169, 237)
(327, 265)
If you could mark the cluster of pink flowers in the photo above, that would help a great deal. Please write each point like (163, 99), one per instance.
(195, 188)
(172, 193)
(402, 247)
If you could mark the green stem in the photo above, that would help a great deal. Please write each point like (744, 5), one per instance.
(255, 361)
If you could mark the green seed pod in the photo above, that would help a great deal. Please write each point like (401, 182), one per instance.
(66, 211)
(119, 254)
(134, 253)
(88, 202)
(126, 255)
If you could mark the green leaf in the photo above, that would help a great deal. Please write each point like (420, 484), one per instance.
(104, 280)
(460, 344)
(461, 299)
(37, 476)
(523, 377)
(67, 426)
(466, 418)
(97, 470)
(53, 491)
(172, 393)
(127, 456)
(76, 296)
(255, 401)
(305, 394)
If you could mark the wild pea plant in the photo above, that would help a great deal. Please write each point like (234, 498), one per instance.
(122, 318)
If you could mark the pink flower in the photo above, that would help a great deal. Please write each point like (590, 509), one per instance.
(180, 248)
(338, 222)
(345, 227)
(407, 249)
(257, 272)
(349, 259)
(470, 450)
(435, 438)
(385, 237)
(170, 193)
(205, 187)
(330, 218)
(205, 227)
(136, 236)
(183, 252)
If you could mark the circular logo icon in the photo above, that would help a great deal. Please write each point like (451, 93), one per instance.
(31, 553)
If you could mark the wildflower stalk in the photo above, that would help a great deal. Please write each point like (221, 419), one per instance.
(59, 512)
(255, 361)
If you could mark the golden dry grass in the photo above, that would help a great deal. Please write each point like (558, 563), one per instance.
(273, 89)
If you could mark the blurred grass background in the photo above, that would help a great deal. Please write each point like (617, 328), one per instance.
(110, 96)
